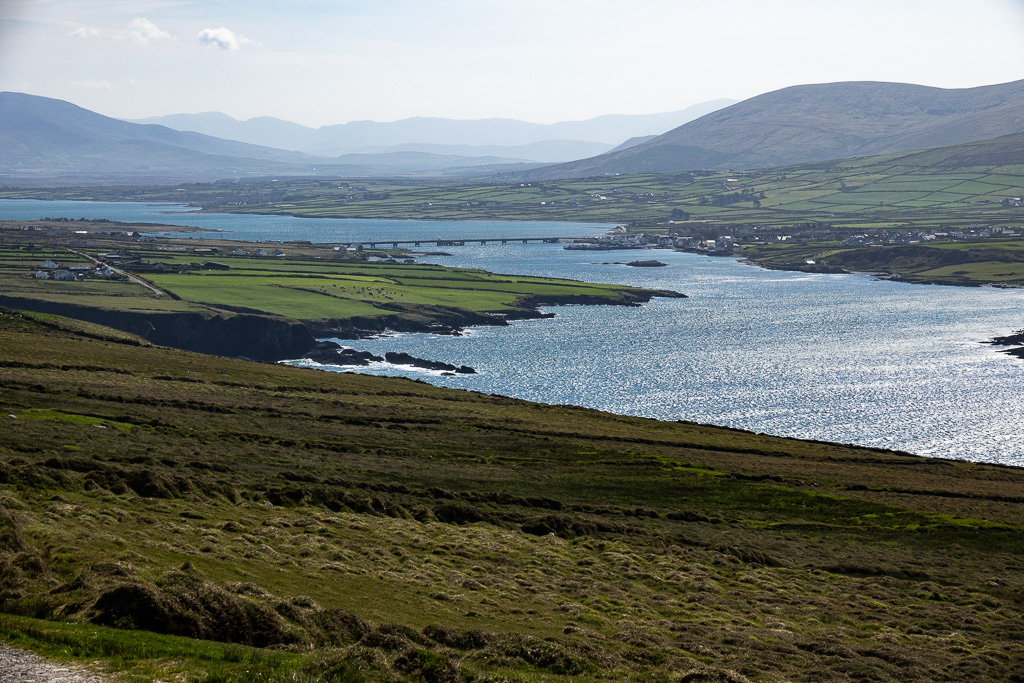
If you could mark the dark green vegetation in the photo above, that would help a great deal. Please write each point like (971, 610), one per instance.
(206, 298)
(306, 524)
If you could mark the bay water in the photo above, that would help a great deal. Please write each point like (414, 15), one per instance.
(844, 358)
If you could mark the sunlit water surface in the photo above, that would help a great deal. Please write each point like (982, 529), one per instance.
(834, 357)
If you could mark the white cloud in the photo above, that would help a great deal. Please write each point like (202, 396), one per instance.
(85, 32)
(224, 38)
(143, 31)
(93, 84)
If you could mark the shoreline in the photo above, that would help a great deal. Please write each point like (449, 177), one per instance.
(875, 274)
(450, 321)
(224, 331)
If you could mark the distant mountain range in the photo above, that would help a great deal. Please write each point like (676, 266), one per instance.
(507, 138)
(43, 139)
(46, 139)
(814, 123)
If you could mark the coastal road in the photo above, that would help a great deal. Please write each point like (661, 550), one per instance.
(134, 279)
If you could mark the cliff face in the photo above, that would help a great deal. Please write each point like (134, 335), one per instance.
(406, 318)
(269, 338)
(257, 337)
(437, 319)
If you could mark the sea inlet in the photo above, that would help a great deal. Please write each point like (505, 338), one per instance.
(844, 358)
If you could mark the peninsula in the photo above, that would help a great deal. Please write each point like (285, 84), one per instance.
(261, 301)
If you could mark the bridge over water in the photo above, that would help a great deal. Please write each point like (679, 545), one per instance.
(460, 242)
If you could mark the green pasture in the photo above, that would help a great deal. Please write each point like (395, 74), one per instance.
(279, 296)
(104, 300)
(979, 271)
(988, 245)
(811, 192)
(290, 291)
(307, 285)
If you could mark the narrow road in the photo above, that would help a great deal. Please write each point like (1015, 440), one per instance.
(19, 666)
(131, 278)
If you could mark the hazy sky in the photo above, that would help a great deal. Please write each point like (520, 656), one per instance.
(319, 62)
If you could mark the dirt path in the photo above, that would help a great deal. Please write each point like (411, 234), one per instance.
(131, 278)
(19, 666)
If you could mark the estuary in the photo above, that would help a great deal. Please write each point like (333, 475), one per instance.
(844, 358)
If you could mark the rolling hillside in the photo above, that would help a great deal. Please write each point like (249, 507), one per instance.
(306, 526)
(817, 122)
(44, 138)
(482, 137)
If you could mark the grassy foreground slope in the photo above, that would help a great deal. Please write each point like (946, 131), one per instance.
(310, 525)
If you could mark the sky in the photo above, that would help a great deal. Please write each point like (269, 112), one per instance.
(322, 62)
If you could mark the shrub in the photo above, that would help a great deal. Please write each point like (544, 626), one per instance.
(458, 513)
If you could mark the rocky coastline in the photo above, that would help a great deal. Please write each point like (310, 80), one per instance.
(257, 336)
(445, 320)
(1015, 341)
(332, 353)
(219, 333)
(449, 320)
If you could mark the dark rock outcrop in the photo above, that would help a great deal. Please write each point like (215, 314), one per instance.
(405, 318)
(1015, 341)
(646, 264)
(406, 359)
(331, 353)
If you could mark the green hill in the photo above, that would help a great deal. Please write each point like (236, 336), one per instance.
(317, 526)
(816, 122)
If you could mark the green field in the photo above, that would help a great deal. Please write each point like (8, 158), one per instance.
(932, 189)
(879, 188)
(873, 189)
(314, 283)
(302, 526)
(999, 262)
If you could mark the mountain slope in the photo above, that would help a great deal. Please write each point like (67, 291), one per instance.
(816, 122)
(263, 130)
(47, 138)
(365, 136)
(43, 136)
